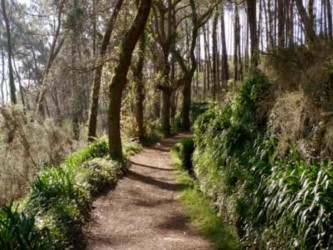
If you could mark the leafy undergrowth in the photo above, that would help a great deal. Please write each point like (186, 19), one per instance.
(51, 215)
(274, 201)
(200, 209)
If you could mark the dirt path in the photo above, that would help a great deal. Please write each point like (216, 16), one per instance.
(144, 211)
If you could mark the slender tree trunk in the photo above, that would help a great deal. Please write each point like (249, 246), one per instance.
(225, 66)
(329, 18)
(260, 26)
(54, 51)
(281, 21)
(271, 24)
(139, 87)
(92, 131)
(252, 20)
(2, 77)
(246, 51)
(215, 54)
(307, 22)
(290, 23)
(173, 105)
(207, 53)
(119, 79)
(166, 95)
(198, 49)
(323, 22)
(239, 49)
(266, 22)
(157, 106)
(236, 42)
(20, 84)
(311, 11)
(10, 53)
(94, 24)
(204, 67)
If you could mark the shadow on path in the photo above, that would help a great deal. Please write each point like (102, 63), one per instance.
(151, 167)
(152, 181)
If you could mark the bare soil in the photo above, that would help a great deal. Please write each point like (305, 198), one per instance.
(144, 211)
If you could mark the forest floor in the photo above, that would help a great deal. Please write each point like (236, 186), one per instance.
(144, 211)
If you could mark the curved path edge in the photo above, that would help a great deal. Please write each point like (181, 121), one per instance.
(144, 211)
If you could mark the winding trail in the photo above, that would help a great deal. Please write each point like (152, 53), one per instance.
(144, 211)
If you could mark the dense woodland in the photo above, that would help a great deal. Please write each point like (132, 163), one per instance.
(252, 79)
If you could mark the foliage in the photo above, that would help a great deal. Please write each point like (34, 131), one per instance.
(59, 200)
(183, 151)
(197, 109)
(100, 174)
(18, 231)
(131, 147)
(199, 209)
(299, 199)
(153, 133)
(36, 144)
(275, 201)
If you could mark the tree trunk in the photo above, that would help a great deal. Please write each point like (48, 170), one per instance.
(139, 87)
(329, 19)
(310, 34)
(281, 21)
(92, 131)
(225, 67)
(207, 56)
(187, 104)
(311, 11)
(76, 84)
(215, 55)
(290, 23)
(252, 20)
(236, 43)
(2, 77)
(54, 51)
(271, 23)
(166, 95)
(20, 84)
(119, 79)
(10, 53)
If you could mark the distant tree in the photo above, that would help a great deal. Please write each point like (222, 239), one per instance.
(9, 54)
(225, 66)
(139, 86)
(98, 72)
(163, 26)
(252, 20)
(307, 21)
(189, 68)
(236, 42)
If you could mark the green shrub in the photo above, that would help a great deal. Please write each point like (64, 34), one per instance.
(131, 147)
(98, 148)
(100, 173)
(184, 150)
(299, 198)
(154, 133)
(199, 208)
(58, 202)
(196, 109)
(18, 231)
(278, 202)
